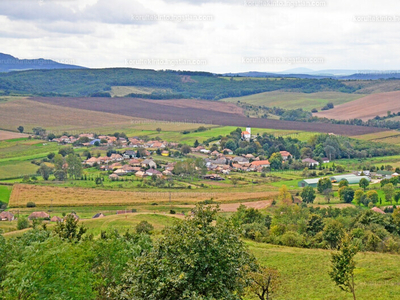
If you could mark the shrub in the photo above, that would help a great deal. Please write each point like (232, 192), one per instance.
(22, 223)
(154, 203)
(172, 212)
(144, 227)
(31, 204)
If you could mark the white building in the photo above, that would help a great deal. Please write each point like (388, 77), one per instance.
(246, 135)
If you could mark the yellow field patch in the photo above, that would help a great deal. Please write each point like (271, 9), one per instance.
(65, 196)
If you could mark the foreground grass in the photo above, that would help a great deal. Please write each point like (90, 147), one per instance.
(305, 273)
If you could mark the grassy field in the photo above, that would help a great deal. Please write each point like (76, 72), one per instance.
(305, 273)
(5, 192)
(121, 91)
(290, 100)
(12, 169)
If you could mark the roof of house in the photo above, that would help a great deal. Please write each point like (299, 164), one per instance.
(154, 172)
(55, 219)
(378, 210)
(260, 163)
(148, 161)
(38, 215)
(309, 160)
(285, 153)
(98, 215)
(245, 132)
(6, 215)
(240, 159)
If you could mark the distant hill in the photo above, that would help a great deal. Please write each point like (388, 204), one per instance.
(10, 63)
(333, 73)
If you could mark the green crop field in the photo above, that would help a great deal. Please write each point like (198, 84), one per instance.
(305, 273)
(289, 100)
(5, 192)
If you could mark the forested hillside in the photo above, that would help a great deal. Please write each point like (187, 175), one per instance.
(98, 82)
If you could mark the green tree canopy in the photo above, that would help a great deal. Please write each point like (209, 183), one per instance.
(193, 260)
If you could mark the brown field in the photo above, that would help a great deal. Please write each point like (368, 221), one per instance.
(365, 108)
(171, 112)
(42, 196)
(229, 108)
(8, 135)
(31, 114)
(378, 135)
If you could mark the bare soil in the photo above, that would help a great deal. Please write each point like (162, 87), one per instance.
(8, 135)
(365, 108)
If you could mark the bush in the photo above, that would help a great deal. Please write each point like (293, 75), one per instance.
(134, 210)
(22, 223)
(31, 204)
(172, 212)
(144, 227)
(154, 203)
(292, 239)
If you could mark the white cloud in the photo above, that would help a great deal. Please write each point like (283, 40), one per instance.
(102, 33)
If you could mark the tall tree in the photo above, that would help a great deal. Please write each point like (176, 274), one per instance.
(308, 194)
(364, 183)
(74, 166)
(343, 266)
(324, 184)
(276, 161)
(20, 129)
(388, 189)
(44, 171)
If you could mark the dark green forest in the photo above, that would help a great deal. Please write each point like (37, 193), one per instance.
(199, 85)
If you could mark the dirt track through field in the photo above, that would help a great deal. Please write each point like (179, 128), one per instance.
(173, 113)
(365, 108)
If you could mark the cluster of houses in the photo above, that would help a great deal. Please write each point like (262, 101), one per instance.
(106, 140)
(139, 167)
(223, 163)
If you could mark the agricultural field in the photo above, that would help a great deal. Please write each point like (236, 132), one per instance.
(58, 119)
(365, 108)
(373, 86)
(294, 100)
(45, 196)
(13, 169)
(5, 193)
(122, 91)
(8, 135)
(305, 273)
(140, 108)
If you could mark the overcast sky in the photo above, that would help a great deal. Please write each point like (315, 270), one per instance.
(216, 36)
